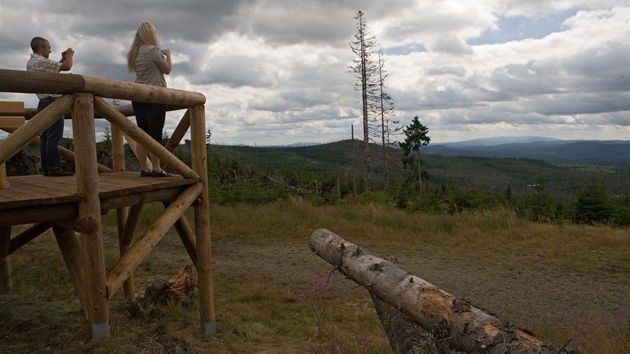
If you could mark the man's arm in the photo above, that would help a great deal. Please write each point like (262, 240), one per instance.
(66, 59)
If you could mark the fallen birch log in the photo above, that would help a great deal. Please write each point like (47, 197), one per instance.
(455, 323)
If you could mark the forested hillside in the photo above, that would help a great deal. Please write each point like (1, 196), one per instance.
(610, 152)
(487, 173)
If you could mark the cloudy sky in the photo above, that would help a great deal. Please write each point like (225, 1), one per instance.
(277, 72)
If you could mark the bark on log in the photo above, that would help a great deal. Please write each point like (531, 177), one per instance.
(455, 323)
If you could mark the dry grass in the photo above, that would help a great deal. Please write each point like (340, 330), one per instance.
(562, 282)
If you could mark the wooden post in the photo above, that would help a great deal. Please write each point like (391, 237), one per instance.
(90, 214)
(202, 222)
(28, 235)
(118, 149)
(118, 164)
(6, 283)
(4, 182)
(134, 147)
(178, 134)
(126, 239)
(187, 235)
(71, 252)
(457, 324)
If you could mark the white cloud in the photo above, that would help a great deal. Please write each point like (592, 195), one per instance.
(277, 71)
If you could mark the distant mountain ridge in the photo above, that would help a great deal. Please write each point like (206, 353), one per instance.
(561, 163)
(501, 140)
(616, 152)
(555, 151)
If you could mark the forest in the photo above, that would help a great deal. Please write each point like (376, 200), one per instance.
(332, 173)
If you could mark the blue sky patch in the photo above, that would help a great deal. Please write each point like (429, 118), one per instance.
(522, 27)
(405, 49)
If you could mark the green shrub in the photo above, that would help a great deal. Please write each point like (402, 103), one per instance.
(593, 204)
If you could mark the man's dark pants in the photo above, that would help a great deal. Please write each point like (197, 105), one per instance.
(49, 142)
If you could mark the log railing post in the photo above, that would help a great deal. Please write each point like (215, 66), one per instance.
(132, 217)
(124, 240)
(71, 252)
(90, 214)
(202, 224)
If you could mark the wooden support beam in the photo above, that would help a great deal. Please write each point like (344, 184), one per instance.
(125, 229)
(126, 240)
(90, 213)
(133, 145)
(21, 137)
(118, 149)
(6, 282)
(121, 220)
(12, 121)
(165, 194)
(187, 235)
(71, 252)
(467, 328)
(28, 235)
(11, 108)
(143, 138)
(138, 251)
(4, 182)
(178, 134)
(202, 222)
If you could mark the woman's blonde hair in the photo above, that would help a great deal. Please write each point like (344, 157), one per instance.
(145, 35)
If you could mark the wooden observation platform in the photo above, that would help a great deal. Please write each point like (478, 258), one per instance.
(72, 206)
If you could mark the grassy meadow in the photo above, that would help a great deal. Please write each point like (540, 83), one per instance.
(273, 295)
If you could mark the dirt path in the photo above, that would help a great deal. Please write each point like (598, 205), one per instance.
(526, 296)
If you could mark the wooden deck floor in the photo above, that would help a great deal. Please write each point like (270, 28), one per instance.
(31, 199)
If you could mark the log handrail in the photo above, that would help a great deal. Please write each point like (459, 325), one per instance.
(50, 83)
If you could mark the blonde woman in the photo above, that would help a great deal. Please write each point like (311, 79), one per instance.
(149, 63)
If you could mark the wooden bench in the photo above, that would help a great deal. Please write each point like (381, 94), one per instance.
(11, 118)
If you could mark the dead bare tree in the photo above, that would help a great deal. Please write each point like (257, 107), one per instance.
(366, 71)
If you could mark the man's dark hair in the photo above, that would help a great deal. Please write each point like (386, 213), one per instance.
(37, 42)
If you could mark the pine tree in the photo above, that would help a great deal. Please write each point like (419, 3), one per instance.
(415, 137)
(593, 204)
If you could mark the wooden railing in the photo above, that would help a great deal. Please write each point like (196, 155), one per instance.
(83, 98)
